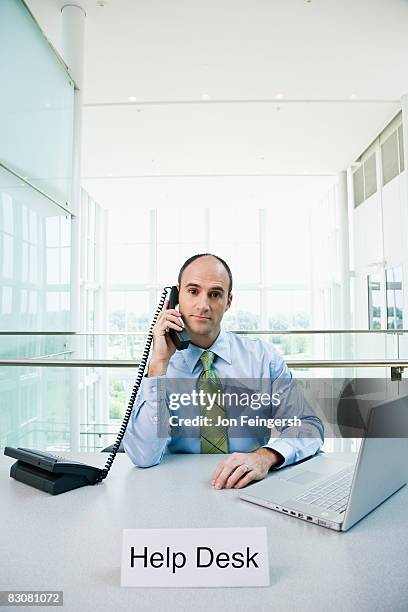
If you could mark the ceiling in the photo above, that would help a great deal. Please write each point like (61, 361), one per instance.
(183, 97)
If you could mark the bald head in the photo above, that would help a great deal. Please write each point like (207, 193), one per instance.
(208, 261)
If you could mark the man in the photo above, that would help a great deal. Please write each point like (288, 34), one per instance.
(205, 284)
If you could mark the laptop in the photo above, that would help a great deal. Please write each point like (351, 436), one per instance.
(336, 490)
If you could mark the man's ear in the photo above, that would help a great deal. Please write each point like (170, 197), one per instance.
(229, 300)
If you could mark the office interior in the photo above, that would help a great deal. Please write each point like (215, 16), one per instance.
(137, 134)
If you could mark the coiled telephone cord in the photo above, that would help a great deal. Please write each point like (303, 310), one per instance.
(140, 374)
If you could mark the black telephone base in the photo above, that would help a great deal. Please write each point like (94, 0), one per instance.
(49, 472)
(47, 481)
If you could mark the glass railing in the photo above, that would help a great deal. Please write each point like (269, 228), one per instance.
(296, 346)
(80, 407)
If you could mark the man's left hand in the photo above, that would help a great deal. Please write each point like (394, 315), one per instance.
(239, 469)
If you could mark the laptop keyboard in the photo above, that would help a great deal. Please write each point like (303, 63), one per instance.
(331, 494)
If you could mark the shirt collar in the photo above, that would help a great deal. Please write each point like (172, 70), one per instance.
(221, 347)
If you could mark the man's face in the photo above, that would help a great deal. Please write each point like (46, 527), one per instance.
(203, 296)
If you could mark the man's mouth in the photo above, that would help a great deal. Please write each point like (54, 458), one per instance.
(200, 317)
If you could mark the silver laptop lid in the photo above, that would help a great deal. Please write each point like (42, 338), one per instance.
(382, 461)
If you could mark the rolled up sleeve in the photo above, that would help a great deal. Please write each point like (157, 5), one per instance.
(295, 442)
(146, 435)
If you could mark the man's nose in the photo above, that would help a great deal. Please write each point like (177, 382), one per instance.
(202, 302)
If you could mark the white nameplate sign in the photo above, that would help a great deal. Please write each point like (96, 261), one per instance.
(195, 557)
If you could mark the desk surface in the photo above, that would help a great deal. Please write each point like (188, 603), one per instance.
(72, 542)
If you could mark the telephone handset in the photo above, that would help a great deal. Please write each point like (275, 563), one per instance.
(56, 474)
(180, 339)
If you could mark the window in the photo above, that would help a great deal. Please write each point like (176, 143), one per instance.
(290, 309)
(243, 259)
(8, 248)
(129, 238)
(394, 298)
(170, 258)
(181, 226)
(365, 180)
(288, 244)
(374, 301)
(358, 182)
(235, 238)
(7, 300)
(269, 252)
(389, 157)
(34, 279)
(244, 312)
(128, 311)
(370, 176)
(93, 402)
(401, 148)
(57, 253)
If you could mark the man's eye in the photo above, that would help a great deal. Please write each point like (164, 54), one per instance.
(192, 290)
(215, 294)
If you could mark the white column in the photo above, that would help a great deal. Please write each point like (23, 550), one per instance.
(73, 30)
(73, 35)
(344, 248)
(263, 320)
(153, 263)
(402, 339)
(344, 259)
(103, 404)
(313, 339)
(404, 106)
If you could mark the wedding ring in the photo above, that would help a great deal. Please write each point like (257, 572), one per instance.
(167, 330)
(246, 466)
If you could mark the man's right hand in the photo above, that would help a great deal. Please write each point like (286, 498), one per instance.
(163, 347)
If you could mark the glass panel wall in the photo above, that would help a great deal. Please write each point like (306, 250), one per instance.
(36, 104)
(34, 295)
(36, 146)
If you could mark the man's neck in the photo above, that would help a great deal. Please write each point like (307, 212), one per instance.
(204, 341)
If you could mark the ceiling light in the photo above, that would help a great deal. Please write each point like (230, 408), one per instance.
(132, 98)
(353, 97)
(205, 97)
(279, 96)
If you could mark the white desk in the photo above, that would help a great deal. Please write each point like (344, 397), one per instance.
(72, 542)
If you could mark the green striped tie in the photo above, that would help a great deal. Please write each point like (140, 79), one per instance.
(213, 439)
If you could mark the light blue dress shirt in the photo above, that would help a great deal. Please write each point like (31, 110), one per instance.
(237, 357)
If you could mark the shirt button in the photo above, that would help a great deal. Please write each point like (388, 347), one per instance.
(155, 419)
